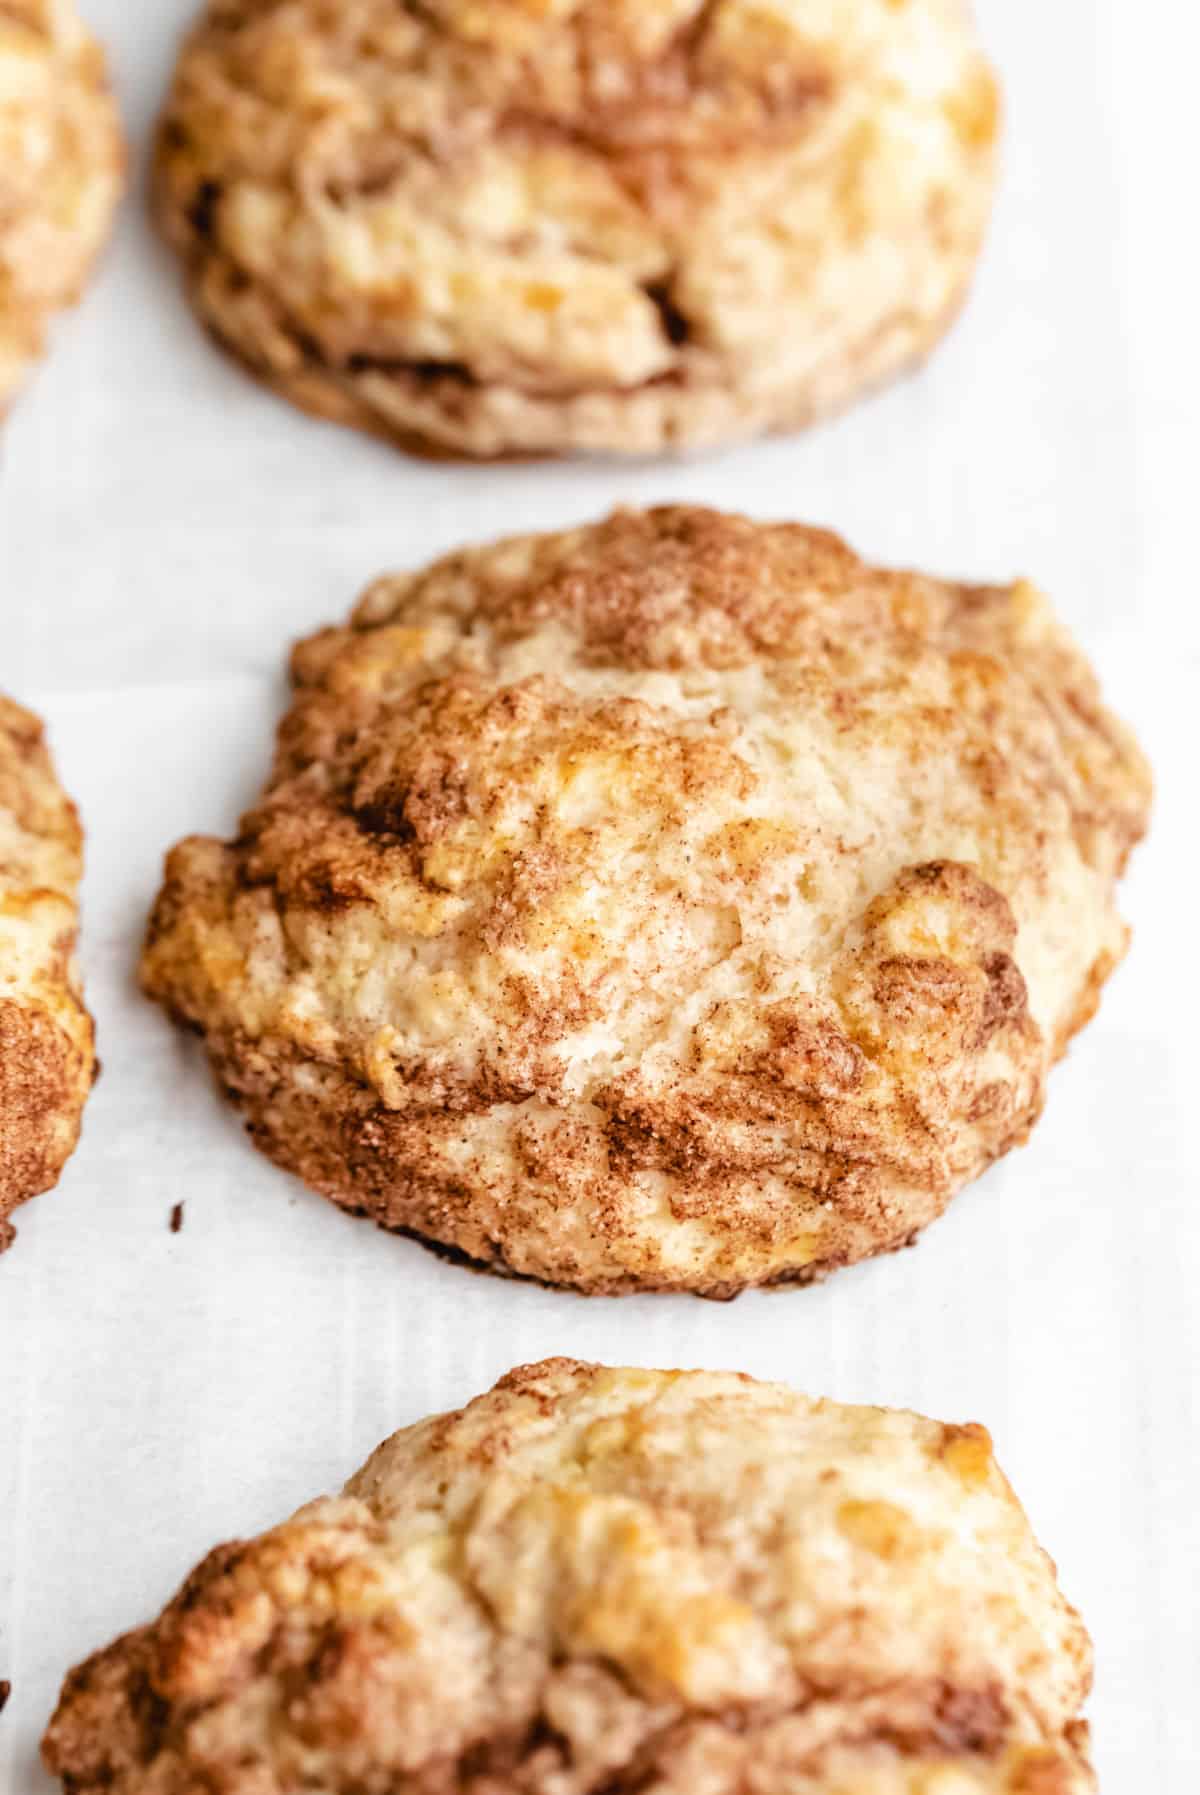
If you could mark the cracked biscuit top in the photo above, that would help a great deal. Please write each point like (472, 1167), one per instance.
(674, 902)
(602, 1582)
(61, 165)
(489, 227)
(46, 1058)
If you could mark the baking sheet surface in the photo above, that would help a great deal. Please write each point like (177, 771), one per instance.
(166, 529)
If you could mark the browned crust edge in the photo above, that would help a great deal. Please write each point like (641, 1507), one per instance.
(321, 392)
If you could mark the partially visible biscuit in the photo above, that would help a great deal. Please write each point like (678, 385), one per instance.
(534, 226)
(47, 1063)
(593, 1580)
(61, 172)
(672, 903)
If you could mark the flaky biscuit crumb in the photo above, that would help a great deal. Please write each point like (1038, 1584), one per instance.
(619, 225)
(47, 1062)
(61, 172)
(674, 1583)
(675, 902)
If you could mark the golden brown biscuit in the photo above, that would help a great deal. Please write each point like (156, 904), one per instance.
(675, 902)
(61, 164)
(47, 1062)
(679, 1583)
(533, 226)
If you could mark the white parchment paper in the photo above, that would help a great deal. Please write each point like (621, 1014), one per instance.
(166, 529)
